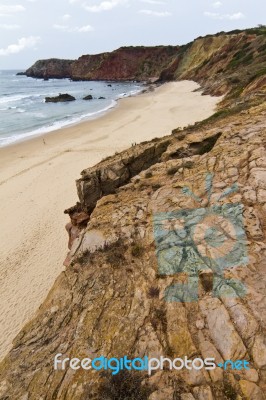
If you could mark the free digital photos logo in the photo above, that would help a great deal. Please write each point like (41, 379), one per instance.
(194, 240)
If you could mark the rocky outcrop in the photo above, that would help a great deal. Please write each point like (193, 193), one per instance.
(60, 98)
(51, 68)
(114, 172)
(89, 97)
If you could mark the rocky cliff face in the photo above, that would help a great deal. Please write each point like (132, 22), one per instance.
(126, 63)
(113, 299)
(167, 258)
(226, 63)
(213, 61)
(52, 68)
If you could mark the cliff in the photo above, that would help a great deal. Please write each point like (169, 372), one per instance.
(126, 63)
(167, 258)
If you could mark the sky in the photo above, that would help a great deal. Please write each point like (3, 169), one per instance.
(38, 29)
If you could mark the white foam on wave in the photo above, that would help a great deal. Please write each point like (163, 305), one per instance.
(5, 141)
(8, 99)
(130, 93)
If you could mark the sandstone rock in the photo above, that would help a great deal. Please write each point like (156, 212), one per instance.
(250, 375)
(222, 331)
(106, 177)
(245, 323)
(208, 350)
(251, 391)
(200, 324)
(259, 351)
(203, 393)
(195, 377)
(179, 337)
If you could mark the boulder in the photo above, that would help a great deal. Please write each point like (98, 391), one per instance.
(60, 98)
(89, 97)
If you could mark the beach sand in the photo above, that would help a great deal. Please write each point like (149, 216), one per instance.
(37, 182)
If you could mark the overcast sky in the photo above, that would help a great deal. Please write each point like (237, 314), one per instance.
(38, 29)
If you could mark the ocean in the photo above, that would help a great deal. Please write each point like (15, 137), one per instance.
(24, 113)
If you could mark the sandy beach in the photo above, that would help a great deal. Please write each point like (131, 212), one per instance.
(37, 182)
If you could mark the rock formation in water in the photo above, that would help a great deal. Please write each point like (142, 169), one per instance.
(167, 258)
(61, 98)
(88, 97)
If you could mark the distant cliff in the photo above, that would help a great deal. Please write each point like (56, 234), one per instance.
(52, 68)
(126, 63)
(143, 275)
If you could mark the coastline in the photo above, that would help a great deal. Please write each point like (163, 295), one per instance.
(37, 182)
(30, 117)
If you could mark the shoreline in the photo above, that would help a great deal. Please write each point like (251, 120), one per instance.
(37, 183)
(83, 119)
(44, 130)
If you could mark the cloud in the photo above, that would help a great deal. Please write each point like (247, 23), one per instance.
(81, 29)
(153, 1)
(86, 28)
(66, 17)
(104, 5)
(238, 15)
(217, 4)
(4, 9)
(235, 16)
(9, 27)
(21, 45)
(60, 27)
(156, 13)
(73, 1)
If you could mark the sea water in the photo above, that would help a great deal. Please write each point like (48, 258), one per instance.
(24, 113)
